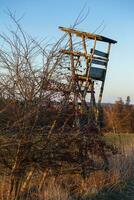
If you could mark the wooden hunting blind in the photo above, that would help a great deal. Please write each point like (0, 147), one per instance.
(87, 65)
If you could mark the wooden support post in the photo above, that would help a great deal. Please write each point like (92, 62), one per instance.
(88, 68)
(90, 62)
(71, 56)
(102, 85)
(73, 80)
(84, 44)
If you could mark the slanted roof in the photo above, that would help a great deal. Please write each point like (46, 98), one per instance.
(88, 35)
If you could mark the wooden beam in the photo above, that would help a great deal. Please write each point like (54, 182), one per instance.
(87, 35)
(77, 53)
(74, 53)
(82, 78)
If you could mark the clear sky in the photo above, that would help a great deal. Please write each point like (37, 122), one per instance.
(42, 18)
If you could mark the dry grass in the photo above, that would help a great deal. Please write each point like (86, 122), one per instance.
(70, 187)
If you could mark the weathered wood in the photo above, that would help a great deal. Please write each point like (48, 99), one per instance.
(83, 78)
(71, 56)
(87, 35)
(84, 45)
(90, 60)
(74, 53)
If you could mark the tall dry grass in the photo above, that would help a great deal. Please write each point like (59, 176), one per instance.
(69, 187)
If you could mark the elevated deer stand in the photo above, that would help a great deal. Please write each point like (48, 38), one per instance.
(88, 67)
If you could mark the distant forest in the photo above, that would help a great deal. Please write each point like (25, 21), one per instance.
(119, 117)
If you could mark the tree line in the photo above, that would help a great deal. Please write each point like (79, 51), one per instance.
(119, 117)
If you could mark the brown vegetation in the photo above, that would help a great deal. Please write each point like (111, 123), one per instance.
(119, 118)
(40, 141)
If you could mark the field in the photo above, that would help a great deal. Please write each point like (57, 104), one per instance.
(116, 183)
(122, 185)
(120, 139)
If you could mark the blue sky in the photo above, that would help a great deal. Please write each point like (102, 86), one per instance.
(42, 18)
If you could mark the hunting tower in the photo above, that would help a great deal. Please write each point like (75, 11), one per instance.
(88, 66)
